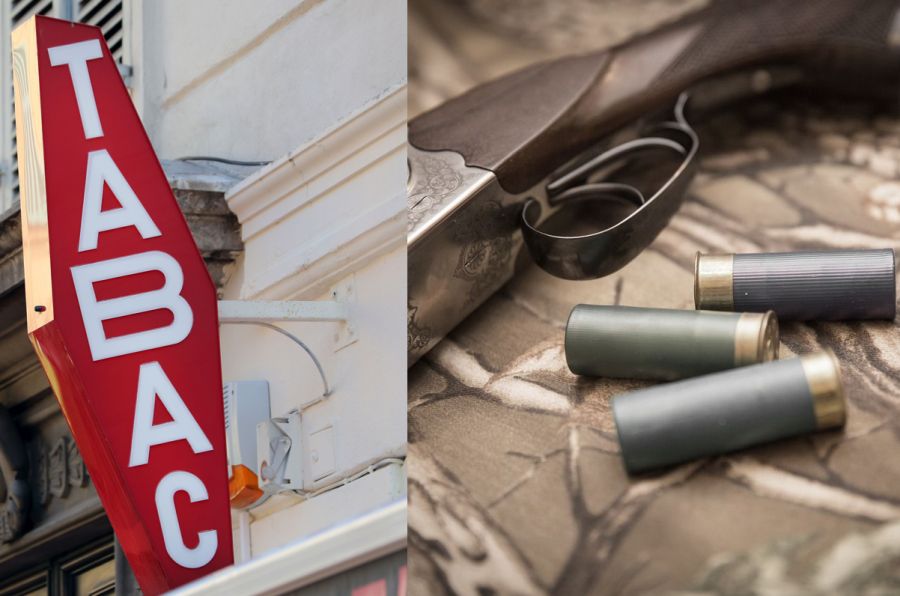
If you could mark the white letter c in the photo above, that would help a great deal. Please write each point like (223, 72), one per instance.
(200, 555)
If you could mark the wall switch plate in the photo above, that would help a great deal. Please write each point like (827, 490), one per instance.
(321, 453)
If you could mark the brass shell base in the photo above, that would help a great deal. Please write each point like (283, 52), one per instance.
(823, 374)
(714, 282)
(756, 338)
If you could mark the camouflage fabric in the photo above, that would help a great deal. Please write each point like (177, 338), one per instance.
(516, 483)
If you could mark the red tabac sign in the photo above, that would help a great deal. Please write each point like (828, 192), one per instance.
(121, 309)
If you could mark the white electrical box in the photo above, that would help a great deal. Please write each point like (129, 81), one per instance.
(246, 405)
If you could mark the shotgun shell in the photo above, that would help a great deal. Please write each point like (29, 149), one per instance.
(725, 411)
(829, 285)
(654, 343)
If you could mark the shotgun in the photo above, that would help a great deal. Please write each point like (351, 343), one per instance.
(584, 159)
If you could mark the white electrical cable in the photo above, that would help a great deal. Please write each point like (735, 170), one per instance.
(371, 468)
(293, 338)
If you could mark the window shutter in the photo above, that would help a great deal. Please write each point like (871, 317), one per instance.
(106, 14)
(20, 11)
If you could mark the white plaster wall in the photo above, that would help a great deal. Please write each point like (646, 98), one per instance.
(367, 409)
(252, 81)
(368, 405)
(381, 488)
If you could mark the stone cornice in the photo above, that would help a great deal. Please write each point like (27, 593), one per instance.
(339, 222)
(199, 190)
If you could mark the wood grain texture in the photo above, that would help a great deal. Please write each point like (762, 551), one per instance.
(516, 484)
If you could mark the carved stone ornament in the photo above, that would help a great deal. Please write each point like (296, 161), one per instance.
(77, 472)
(40, 479)
(58, 467)
(14, 472)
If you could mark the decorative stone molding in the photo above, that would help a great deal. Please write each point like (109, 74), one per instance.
(215, 229)
(199, 189)
(56, 470)
(14, 472)
(33, 475)
(341, 196)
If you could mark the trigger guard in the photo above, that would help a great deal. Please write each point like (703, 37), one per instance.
(597, 254)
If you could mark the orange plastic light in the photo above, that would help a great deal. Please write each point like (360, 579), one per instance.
(243, 487)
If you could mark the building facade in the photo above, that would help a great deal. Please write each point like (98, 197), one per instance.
(282, 134)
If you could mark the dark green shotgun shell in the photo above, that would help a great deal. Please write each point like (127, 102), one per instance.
(725, 411)
(665, 344)
(831, 285)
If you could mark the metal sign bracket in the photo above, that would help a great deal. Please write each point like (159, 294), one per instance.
(283, 311)
(339, 310)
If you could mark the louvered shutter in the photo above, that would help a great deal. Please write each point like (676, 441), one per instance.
(20, 10)
(106, 14)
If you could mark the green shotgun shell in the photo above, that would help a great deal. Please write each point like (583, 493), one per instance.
(725, 411)
(664, 344)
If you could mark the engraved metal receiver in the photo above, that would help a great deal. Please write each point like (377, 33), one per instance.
(465, 233)
(533, 158)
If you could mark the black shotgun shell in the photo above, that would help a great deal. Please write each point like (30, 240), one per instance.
(665, 344)
(831, 285)
(714, 414)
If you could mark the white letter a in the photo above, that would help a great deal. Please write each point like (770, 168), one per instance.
(101, 169)
(152, 382)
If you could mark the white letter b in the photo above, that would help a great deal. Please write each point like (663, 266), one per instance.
(168, 297)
